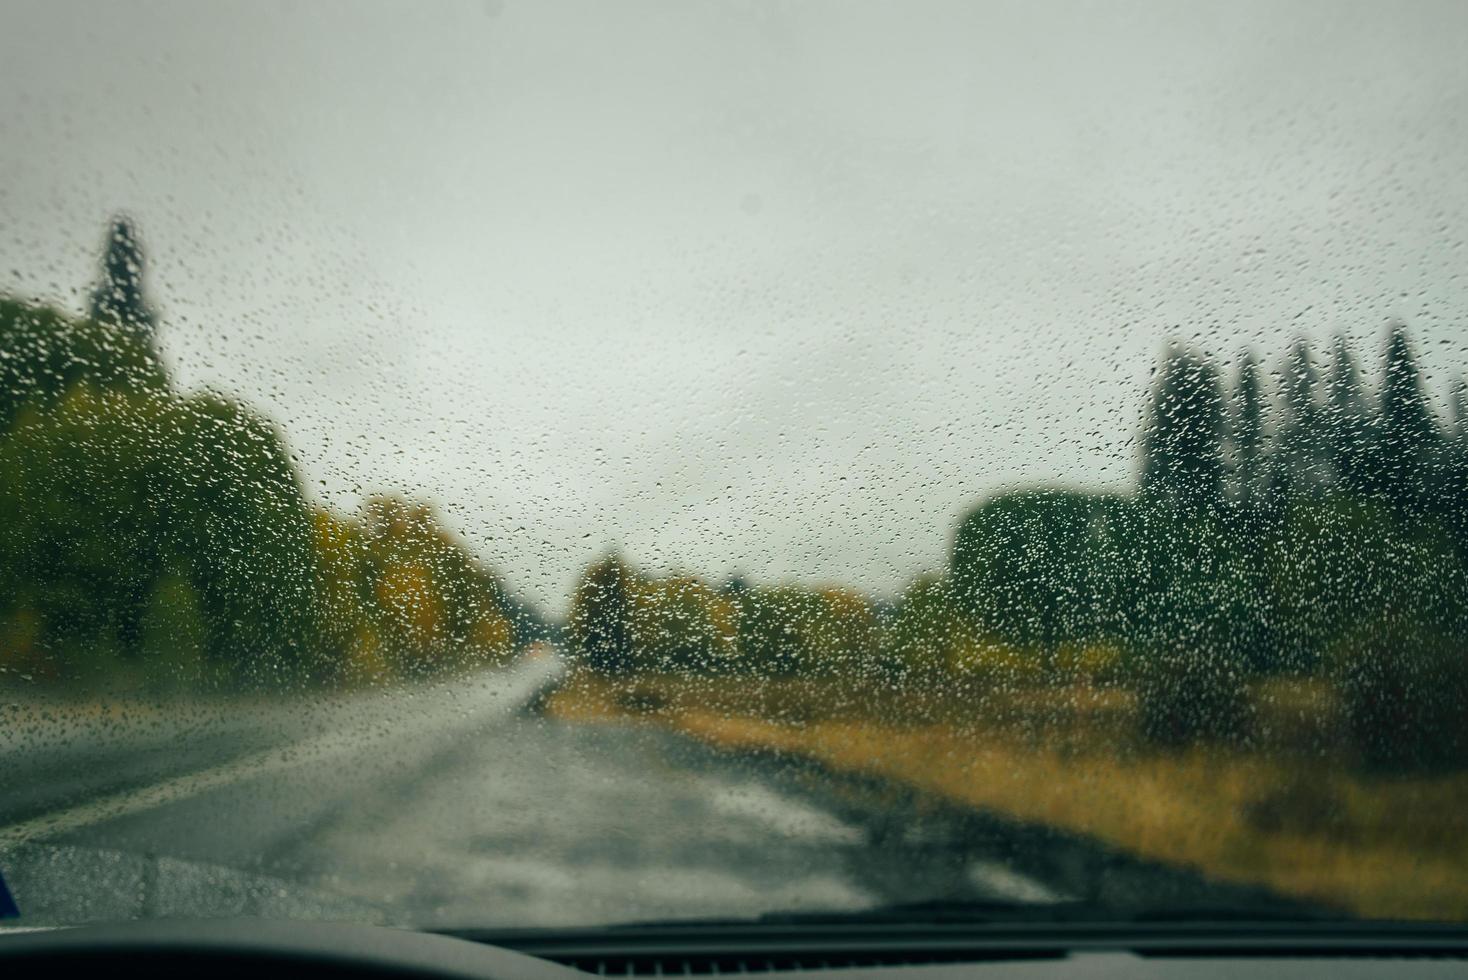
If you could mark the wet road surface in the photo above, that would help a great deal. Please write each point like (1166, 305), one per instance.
(455, 807)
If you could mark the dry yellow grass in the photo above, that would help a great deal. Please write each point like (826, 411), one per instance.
(1311, 827)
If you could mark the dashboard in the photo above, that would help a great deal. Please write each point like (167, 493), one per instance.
(248, 947)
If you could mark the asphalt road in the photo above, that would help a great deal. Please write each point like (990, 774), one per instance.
(453, 806)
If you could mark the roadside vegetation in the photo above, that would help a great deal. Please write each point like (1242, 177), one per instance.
(153, 540)
(1254, 660)
(1317, 532)
(1291, 812)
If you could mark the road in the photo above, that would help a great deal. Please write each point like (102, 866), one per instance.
(452, 805)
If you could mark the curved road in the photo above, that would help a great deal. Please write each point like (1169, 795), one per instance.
(451, 805)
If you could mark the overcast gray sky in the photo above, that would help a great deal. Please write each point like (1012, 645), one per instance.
(775, 288)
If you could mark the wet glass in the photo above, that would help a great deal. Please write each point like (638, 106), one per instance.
(489, 464)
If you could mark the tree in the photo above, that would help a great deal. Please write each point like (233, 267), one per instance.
(928, 636)
(1300, 447)
(601, 616)
(1253, 523)
(45, 354)
(1458, 430)
(1453, 492)
(1349, 420)
(107, 493)
(736, 586)
(1043, 567)
(1182, 436)
(1246, 434)
(1403, 685)
(119, 298)
(681, 624)
(1408, 437)
(173, 635)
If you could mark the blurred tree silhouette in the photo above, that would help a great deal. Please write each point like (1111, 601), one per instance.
(789, 629)
(119, 299)
(929, 635)
(1404, 687)
(44, 354)
(1038, 568)
(1300, 462)
(601, 615)
(162, 541)
(1405, 456)
(1182, 435)
(680, 623)
(1349, 422)
(1247, 476)
(109, 492)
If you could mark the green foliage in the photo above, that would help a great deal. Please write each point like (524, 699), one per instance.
(108, 492)
(45, 354)
(164, 539)
(1182, 434)
(160, 540)
(790, 629)
(1255, 545)
(174, 635)
(1341, 512)
(1044, 567)
(1340, 560)
(1407, 453)
(1350, 422)
(1300, 452)
(401, 597)
(622, 621)
(601, 614)
(1192, 693)
(928, 635)
(1405, 685)
(682, 624)
(1245, 420)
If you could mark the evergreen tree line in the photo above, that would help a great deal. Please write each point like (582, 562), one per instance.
(1303, 522)
(153, 539)
(1271, 521)
(1300, 522)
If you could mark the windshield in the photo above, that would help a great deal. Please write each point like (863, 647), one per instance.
(506, 464)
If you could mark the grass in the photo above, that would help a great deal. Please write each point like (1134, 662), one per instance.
(1289, 812)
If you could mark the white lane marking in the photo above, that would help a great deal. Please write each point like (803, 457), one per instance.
(169, 790)
(787, 817)
(399, 720)
(999, 881)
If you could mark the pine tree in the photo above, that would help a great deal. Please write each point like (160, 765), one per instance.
(1349, 419)
(1246, 433)
(1408, 438)
(1457, 434)
(1299, 451)
(1458, 401)
(1452, 495)
(1182, 437)
(119, 298)
(1247, 547)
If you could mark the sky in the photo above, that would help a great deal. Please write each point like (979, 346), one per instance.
(777, 289)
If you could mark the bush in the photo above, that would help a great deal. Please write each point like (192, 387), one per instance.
(1184, 696)
(1404, 691)
(1307, 802)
